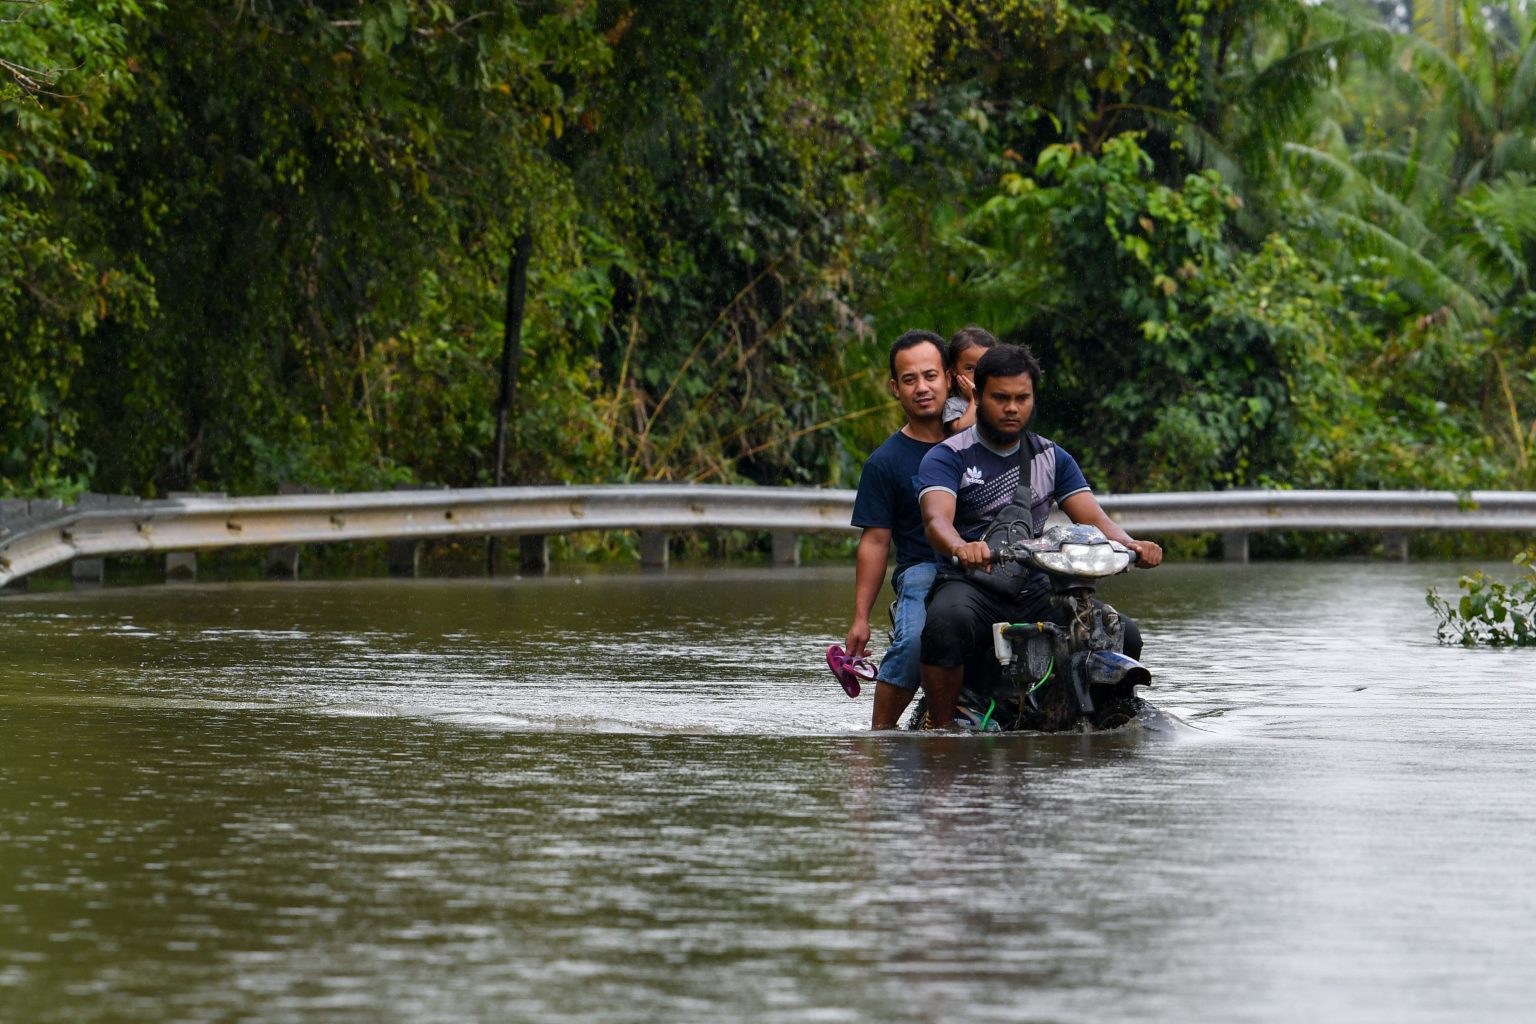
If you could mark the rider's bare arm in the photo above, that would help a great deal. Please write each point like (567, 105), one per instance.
(868, 575)
(939, 524)
(1084, 508)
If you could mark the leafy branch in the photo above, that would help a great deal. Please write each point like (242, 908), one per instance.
(28, 81)
(1491, 612)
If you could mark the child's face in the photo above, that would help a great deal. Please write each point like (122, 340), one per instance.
(965, 365)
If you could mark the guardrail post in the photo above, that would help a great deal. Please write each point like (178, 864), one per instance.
(1234, 546)
(533, 554)
(15, 515)
(404, 554)
(1394, 546)
(405, 558)
(86, 573)
(181, 566)
(92, 572)
(653, 549)
(13, 510)
(283, 562)
(786, 548)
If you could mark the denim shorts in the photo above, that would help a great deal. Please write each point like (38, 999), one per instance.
(902, 665)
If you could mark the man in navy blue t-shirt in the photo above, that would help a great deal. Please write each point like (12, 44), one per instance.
(963, 483)
(886, 509)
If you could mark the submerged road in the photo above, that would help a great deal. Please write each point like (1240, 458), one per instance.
(627, 797)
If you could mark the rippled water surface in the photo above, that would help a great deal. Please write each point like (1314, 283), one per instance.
(634, 798)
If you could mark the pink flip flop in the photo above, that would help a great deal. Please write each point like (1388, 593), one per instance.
(848, 670)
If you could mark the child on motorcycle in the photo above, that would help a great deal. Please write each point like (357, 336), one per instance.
(966, 346)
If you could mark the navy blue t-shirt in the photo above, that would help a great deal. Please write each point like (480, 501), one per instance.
(887, 497)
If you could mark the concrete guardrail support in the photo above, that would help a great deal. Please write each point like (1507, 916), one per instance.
(283, 562)
(786, 548)
(181, 567)
(1234, 546)
(92, 572)
(16, 514)
(88, 573)
(653, 549)
(532, 554)
(1394, 547)
(405, 558)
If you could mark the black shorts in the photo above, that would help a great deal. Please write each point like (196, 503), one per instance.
(960, 617)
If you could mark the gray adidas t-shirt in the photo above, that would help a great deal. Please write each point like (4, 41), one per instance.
(983, 479)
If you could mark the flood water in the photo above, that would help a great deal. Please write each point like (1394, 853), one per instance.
(627, 798)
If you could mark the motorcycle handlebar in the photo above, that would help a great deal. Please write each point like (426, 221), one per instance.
(1008, 556)
(997, 556)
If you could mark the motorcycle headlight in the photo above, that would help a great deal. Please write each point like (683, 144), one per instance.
(1085, 560)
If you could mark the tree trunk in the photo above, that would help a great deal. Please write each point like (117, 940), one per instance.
(511, 357)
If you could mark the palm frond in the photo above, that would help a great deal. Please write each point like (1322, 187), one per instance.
(1499, 221)
(1366, 35)
(1522, 87)
(1409, 169)
(1276, 100)
(1438, 65)
(1510, 203)
(1513, 152)
(1357, 192)
(1435, 287)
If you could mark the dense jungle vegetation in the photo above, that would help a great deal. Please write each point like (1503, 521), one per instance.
(1255, 242)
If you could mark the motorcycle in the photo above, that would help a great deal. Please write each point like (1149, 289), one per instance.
(1070, 674)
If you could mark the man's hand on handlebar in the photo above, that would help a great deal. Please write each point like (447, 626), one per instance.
(1148, 554)
(975, 555)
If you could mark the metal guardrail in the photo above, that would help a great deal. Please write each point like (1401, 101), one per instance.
(99, 527)
(1350, 511)
(35, 535)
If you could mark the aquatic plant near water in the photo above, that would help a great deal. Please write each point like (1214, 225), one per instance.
(1490, 612)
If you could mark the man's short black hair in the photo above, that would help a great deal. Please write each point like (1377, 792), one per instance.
(1006, 361)
(912, 339)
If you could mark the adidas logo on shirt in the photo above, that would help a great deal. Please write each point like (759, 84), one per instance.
(972, 476)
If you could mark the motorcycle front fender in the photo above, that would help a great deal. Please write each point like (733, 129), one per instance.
(1111, 668)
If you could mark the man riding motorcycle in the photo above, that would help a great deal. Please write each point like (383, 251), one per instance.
(996, 475)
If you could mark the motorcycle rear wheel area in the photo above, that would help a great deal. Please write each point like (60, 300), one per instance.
(1115, 714)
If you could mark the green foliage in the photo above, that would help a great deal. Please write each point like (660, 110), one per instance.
(1175, 358)
(1490, 612)
(59, 284)
(333, 281)
(317, 211)
(742, 139)
(1422, 169)
(1256, 243)
(1238, 292)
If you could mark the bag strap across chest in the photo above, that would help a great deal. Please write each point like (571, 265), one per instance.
(1024, 494)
